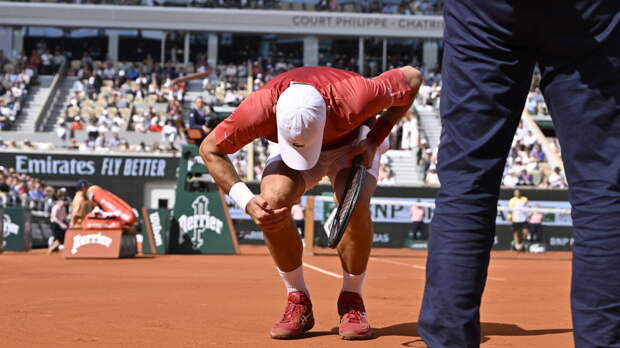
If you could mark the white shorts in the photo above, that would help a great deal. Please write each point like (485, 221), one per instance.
(331, 162)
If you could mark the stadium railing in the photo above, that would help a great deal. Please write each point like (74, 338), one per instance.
(51, 97)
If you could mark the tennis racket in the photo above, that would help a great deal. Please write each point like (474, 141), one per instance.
(348, 201)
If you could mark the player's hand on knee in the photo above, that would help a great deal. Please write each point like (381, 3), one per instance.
(366, 149)
(264, 215)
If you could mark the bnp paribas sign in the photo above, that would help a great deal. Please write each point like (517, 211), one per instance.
(201, 225)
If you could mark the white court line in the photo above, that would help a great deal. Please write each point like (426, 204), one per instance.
(318, 269)
(420, 267)
(398, 263)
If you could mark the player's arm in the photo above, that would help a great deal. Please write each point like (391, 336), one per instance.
(194, 76)
(390, 117)
(220, 166)
(224, 173)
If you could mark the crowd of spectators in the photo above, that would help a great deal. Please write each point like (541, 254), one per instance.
(15, 78)
(526, 164)
(405, 7)
(108, 98)
(19, 189)
(116, 143)
(535, 105)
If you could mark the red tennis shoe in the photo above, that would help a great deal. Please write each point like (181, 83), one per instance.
(297, 317)
(353, 320)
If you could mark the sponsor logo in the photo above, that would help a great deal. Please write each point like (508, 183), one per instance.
(561, 241)
(109, 166)
(156, 226)
(252, 235)
(10, 228)
(537, 248)
(49, 165)
(202, 220)
(419, 245)
(88, 239)
(381, 238)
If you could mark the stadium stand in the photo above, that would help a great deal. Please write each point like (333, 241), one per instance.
(18, 189)
(533, 160)
(15, 81)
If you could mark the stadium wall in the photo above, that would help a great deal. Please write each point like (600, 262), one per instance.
(219, 20)
(392, 226)
(130, 176)
(127, 175)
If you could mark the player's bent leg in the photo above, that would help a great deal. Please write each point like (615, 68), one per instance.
(354, 251)
(281, 187)
(354, 248)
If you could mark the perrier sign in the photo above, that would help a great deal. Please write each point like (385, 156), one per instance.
(200, 223)
(15, 229)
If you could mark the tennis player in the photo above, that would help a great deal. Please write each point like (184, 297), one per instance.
(317, 115)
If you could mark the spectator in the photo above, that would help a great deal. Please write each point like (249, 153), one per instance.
(535, 225)
(525, 179)
(169, 132)
(518, 217)
(409, 132)
(556, 179)
(7, 116)
(58, 219)
(298, 213)
(47, 61)
(431, 177)
(58, 60)
(78, 86)
(198, 118)
(416, 214)
(510, 180)
(80, 205)
(36, 192)
(385, 175)
(92, 130)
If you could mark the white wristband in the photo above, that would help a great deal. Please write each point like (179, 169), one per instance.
(241, 194)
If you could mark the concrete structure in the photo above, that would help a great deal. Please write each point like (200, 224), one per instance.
(310, 27)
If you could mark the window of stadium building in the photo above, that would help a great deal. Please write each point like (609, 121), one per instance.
(339, 53)
(137, 45)
(240, 48)
(417, 52)
(73, 43)
(98, 44)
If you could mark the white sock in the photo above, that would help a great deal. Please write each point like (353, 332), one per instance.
(353, 283)
(294, 280)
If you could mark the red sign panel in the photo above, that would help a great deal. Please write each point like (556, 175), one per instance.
(92, 243)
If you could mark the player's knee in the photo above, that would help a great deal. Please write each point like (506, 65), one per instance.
(277, 199)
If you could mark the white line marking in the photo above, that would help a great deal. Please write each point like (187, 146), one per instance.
(420, 267)
(320, 270)
(398, 263)
(497, 279)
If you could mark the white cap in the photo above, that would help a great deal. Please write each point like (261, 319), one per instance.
(300, 114)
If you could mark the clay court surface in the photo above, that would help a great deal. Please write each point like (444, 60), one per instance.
(231, 301)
